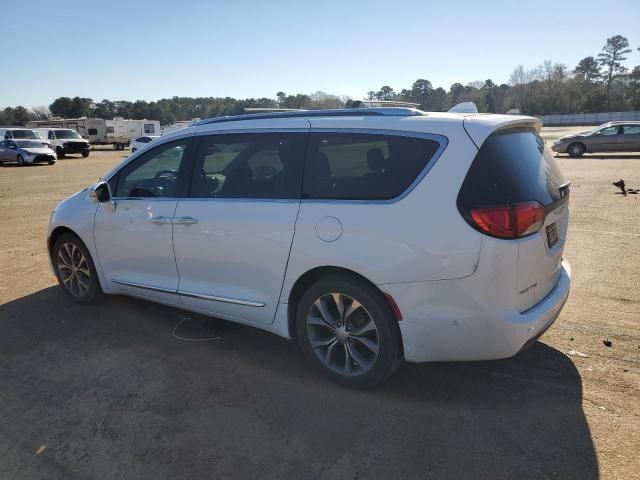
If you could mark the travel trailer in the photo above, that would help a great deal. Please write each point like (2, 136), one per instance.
(118, 132)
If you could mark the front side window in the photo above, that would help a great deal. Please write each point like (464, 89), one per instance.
(355, 166)
(51, 136)
(149, 128)
(609, 131)
(153, 175)
(256, 165)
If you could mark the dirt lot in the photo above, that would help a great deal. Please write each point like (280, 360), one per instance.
(108, 392)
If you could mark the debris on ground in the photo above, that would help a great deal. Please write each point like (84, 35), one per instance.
(579, 354)
(607, 343)
(621, 185)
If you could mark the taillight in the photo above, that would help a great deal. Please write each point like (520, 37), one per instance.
(509, 221)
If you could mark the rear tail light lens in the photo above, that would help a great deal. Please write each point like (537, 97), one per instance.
(508, 221)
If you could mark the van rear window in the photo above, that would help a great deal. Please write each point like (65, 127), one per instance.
(512, 166)
(358, 166)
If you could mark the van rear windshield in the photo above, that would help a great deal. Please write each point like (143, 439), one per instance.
(512, 166)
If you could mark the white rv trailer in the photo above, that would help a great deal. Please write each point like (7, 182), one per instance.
(118, 132)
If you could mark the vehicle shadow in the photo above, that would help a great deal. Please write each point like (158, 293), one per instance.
(109, 388)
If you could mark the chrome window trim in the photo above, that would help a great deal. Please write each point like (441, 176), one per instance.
(442, 140)
(203, 296)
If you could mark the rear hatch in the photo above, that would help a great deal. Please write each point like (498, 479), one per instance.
(516, 192)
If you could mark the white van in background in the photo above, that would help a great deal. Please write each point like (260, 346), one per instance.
(18, 133)
(65, 141)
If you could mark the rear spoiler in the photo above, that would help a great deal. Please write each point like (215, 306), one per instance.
(479, 127)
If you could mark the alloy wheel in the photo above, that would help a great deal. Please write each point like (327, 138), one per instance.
(342, 334)
(74, 270)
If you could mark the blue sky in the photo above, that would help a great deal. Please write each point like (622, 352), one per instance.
(129, 50)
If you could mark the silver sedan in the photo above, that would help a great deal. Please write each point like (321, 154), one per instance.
(26, 152)
(610, 137)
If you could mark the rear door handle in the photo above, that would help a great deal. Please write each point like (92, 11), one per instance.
(184, 220)
(160, 220)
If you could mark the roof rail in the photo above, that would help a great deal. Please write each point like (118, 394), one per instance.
(337, 112)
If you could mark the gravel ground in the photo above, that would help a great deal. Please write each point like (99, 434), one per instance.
(109, 392)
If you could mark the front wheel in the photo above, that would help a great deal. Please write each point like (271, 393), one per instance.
(85, 154)
(347, 329)
(60, 152)
(75, 270)
(52, 162)
(575, 150)
(20, 161)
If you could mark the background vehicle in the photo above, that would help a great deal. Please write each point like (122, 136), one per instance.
(18, 133)
(609, 137)
(117, 132)
(65, 141)
(26, 152)
(410, 241)
(141, 142)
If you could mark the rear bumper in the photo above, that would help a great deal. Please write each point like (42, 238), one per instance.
(444, 322)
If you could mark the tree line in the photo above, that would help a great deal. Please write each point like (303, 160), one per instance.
(597, 83)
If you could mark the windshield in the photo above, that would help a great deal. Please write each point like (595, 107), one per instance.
(67, 134)
(24, 134)
(29, 144)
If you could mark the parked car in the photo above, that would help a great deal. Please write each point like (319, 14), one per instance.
(609, 137)
(25, 152)
(371, 236)
(140, 142)
(65, 141)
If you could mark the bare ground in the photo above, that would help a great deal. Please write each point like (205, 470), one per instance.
(108, 392)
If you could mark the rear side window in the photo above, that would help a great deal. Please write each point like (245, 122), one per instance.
(149, 128)
(357, 166)
(93, 131)
(252, 165)
(512, 166)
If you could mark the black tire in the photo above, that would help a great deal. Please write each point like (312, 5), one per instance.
(52, 163)
(90, 294)
(20, 160)
(60, 152)
(576, 149)
(85, 154)
(376, 309)
(133, 150)
(115, 146)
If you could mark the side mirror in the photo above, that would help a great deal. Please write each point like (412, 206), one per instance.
(102, 192)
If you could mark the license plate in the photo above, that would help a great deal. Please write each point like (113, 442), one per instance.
(552, 234)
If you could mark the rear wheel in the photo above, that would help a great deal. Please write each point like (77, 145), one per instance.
(51, 162)
(576, 150)
(75, 270)
(346, 329)
(115, 146)
(85, 154)
(20, 160)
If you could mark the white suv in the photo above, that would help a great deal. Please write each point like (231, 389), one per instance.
(369, 235)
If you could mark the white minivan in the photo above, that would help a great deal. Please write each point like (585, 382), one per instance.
(371, 236)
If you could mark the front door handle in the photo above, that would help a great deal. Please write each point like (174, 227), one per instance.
(184, 221)
(160, 220)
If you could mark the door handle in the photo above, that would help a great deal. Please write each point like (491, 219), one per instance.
(161, 220)
(184, 221)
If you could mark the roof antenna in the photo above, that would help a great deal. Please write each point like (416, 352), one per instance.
(464, 107)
